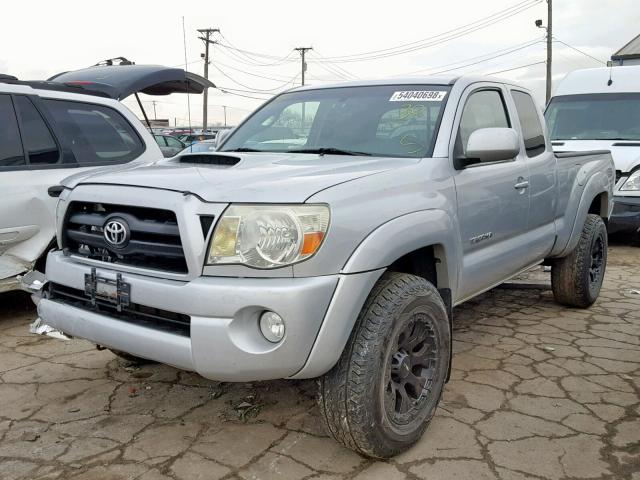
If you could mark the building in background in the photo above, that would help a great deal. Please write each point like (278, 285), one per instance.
(156, 122)
(627, 55)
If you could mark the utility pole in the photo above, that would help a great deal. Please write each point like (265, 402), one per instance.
(303, 51)
(155, 117)
(549, 47)
(549, 30)
(206, 38)
(224, 107)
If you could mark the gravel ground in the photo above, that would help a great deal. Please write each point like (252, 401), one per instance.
(538, 391)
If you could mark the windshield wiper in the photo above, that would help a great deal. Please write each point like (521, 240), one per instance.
(330, 151)
(243, 149)
(617, 138)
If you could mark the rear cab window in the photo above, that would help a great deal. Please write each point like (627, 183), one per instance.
(532, 130)
(96, 134)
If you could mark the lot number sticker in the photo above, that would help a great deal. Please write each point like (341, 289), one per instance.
(418, 96)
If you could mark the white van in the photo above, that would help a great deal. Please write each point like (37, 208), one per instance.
(599, 109)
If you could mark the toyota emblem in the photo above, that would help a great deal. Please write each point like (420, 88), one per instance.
(116, 233)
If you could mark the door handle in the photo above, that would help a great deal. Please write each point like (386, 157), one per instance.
(521, 185)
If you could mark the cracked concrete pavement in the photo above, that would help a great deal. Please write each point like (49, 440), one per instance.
(538, 391)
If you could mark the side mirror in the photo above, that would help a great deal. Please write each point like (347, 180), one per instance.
(220, 136)
(490, 145)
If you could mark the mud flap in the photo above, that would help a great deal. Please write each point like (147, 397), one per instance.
(445, 293)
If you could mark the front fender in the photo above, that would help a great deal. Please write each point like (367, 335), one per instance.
(407, 233)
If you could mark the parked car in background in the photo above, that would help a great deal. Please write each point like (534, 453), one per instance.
(196, 137)
(169, 145)
(341, 257)
(52, 129)
(205, 146)
(599, 108)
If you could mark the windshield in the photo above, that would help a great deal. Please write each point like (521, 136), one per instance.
(602, 116)
(389, 121)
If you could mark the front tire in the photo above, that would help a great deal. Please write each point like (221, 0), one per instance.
(384, 390)
(577, 278)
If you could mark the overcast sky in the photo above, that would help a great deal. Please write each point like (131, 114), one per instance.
(41, 38)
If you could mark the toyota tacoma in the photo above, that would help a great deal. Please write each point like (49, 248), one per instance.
(329, 237)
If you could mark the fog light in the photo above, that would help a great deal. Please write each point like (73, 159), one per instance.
(272, 326)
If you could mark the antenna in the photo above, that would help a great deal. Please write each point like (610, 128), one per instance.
(184, 42)
(610, 81)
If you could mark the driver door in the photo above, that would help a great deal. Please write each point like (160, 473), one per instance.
(492, 198)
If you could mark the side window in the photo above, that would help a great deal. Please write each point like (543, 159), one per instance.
(11, 154)
(532, 131)
(39, 143)
(484, 109)
(160, 140)
(96, 134)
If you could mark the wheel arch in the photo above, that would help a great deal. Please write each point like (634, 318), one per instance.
(421, 243)
(427, 249)
(596, 199)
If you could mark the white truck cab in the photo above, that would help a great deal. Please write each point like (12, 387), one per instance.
(52, 129)
(599, 109)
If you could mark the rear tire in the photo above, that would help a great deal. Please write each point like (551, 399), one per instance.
(381, 395)
(577, 278)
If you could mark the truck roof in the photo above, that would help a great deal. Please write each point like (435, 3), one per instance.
(409, 80)
(596, 80)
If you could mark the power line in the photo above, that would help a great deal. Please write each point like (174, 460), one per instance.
(439, 38)
(224, 90)
(516, 68)
(232, 54)
(274, 78)
(491, 56)
(331, 71)
(241, 56)
(252, 89)
(579, 51)
(398, 49)
(332, 67)
(248, 54)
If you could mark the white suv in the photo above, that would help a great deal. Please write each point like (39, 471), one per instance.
(52, 129)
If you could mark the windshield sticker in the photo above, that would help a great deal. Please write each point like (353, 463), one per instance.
(409, 112)
(418, 96)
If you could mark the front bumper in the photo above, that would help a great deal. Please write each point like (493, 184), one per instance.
(625, 215)
(224, 341)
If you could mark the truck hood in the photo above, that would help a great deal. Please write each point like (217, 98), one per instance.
(256, 177)
(626, 154)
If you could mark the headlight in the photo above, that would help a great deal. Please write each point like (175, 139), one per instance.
(268, 236)
(632, 184)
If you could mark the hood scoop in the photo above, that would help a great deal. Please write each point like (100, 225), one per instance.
(209, 159)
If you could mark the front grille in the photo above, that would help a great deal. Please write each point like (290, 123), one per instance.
(153, 241)
(149, 317)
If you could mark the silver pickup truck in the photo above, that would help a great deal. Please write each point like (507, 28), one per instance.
(330, 236)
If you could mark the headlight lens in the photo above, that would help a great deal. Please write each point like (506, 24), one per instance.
(268, 236)
(632, 184)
